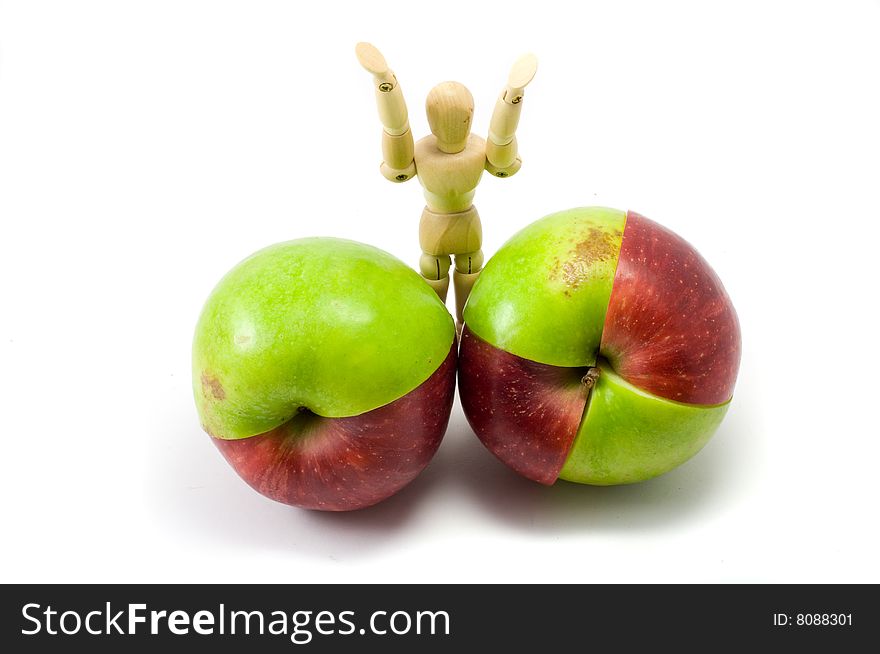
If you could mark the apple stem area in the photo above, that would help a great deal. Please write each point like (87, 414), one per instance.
(591, 377)
(300, 422)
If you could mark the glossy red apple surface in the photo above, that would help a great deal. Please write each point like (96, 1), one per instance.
(598, 347)
(347, 463)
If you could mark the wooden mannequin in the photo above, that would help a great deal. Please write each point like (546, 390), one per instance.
(449, 164)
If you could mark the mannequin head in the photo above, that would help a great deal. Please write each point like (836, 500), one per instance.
(450, 108)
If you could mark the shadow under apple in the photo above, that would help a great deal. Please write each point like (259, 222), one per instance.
(702, 486)
(202, 497)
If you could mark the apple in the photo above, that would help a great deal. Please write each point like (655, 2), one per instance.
(324, 371)
(598, 347)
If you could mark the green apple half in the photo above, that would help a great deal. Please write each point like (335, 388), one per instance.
(598, 347)
(324, 371)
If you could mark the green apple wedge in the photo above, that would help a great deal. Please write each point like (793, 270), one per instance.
(628, 435)
(543, 296)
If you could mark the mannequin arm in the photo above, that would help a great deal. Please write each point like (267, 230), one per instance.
(501, 147)
(397, 141)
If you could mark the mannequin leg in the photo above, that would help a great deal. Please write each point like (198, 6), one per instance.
(467, 269)
(435, 270)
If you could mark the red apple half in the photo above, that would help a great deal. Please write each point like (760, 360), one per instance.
(324, 371)
(598, 347)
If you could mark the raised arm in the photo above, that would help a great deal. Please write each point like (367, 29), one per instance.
(397, 141)
(502, 158)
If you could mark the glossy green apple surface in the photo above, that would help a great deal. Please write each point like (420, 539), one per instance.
(543, 296)
(628, 435)
(329, 325)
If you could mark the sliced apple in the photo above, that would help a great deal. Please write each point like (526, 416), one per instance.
(324, 370)
(598, 347)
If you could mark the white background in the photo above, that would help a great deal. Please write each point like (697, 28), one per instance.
(146, 147)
